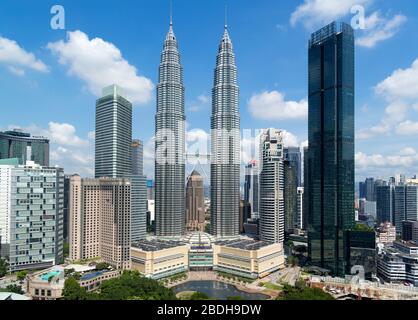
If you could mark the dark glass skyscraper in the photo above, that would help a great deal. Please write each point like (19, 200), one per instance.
(331, 145)
(225, 144)
(290, 195)
(170, 143)
(293, 154)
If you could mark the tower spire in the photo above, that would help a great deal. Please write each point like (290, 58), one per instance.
(226, 15)
(171, 13)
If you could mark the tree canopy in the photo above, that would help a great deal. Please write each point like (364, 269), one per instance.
(129, 286)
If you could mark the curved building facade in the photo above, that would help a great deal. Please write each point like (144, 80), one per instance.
(225, 139)
(170, 143)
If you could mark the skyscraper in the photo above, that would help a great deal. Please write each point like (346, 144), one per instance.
(251, 188)
(331, 145)
(399, 207)
(31, 214)
(100, 215)
(195, 203)
(305, 187)
(293, 155)
(18, 144)
(113, 134)
(225, 144)
(271, 186)
(384, 204)
(290, 195)
(139, 193)
(170, 143)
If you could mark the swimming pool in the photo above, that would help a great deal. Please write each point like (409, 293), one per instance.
(46, 276)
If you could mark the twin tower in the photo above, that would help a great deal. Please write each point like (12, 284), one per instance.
(170, 153)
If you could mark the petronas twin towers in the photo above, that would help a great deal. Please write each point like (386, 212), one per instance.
(170, 143)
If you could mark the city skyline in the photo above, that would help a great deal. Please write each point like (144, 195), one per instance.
(72, 137)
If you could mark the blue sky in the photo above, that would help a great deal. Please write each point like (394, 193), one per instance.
(50, 79)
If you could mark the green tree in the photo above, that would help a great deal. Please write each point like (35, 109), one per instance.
(73, 291)
(199, 296)
(21, 275)
(3, 267)
(132, 284)
(234, 298)
(66, 249)
(13, 288)
(302, 292)
(102, 266)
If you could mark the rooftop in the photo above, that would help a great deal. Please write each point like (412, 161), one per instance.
(244, 244)
(156, 245)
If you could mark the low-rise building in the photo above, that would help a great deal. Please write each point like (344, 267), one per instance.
(386, 233)
(248, 258)
(399, 263)
(201, 252)
(159, 259)
(49, 284)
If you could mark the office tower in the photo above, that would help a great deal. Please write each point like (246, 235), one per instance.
(225, 144)
(244, 214)
(18, 144)
(362, 190)
(305, 187)
(410, 230)
(290, 195)
(271, 186)
(399, 206)
(195, 203)
(66, 196)
(299, 220)
(139, 193)
(384, 204)
(150, 190)
(113, 134)
(251, 188)
(137, 158)
(31, 214)
(331, 145)
(100, 227)
(400, 179)
(370, 196)
(170, 143)
(293, 155)
(412, 202)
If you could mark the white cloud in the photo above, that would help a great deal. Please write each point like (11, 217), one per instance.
(402, 84)
(201, 102)
(273, 106)
(400, 90)
(312, 13)
(375, 161)
(99, 64)
(408, 151)
(289, 139)
(379, 29)
(17, 59)
(407, 128)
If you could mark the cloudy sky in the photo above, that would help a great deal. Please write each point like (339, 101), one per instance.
(50, 79)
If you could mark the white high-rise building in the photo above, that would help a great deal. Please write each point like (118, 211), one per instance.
(271, 186)
(31, 214)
